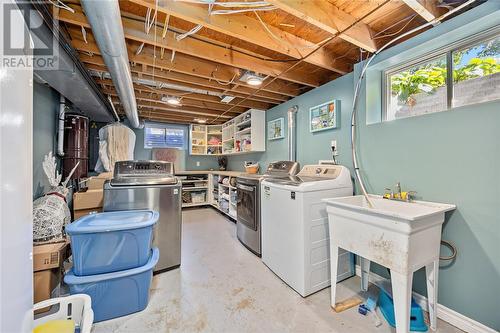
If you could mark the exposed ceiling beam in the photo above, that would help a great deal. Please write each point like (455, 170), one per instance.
(425, 8)
(173, 111)
(134, 30)
(185, 101)
(152, 115)
(201, 97)
(326, 16)
(249, 30)
(91, 49)
(278, 87)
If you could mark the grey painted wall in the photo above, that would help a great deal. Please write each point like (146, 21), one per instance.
(45, 109)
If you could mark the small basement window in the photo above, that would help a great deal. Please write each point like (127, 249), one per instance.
(463, 75)
(164, 136)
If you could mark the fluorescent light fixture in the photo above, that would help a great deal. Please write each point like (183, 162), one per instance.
(173, 100)
(252, 78)
(200, 120)
(226, 98)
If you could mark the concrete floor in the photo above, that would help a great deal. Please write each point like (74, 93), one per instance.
(222, 287)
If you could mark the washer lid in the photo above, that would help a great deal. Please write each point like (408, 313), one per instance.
(113, 221)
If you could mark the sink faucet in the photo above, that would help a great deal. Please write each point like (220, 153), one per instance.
(398, 189)
(399, 195)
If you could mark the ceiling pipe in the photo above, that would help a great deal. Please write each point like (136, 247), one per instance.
(292, 133)
(105, 19)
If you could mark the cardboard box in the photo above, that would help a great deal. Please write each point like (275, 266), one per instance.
(97, 182)
(88, 200)
(82, 212)
(49, 256)
(44, 282)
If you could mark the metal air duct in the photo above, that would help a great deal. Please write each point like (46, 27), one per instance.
(105, 19)
(292, 133)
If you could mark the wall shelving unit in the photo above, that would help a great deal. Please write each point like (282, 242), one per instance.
(205, 140)
(242, 134)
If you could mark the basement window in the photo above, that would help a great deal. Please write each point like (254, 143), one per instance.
(466, 74)
(164, 136)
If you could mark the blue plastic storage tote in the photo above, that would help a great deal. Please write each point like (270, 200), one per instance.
(112, 241)
(116, 294)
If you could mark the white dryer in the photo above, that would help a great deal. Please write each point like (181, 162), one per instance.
(295, 239)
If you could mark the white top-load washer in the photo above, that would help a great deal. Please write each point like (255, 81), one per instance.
(295, 239)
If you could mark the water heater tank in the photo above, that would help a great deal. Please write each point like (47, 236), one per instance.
(76, 145)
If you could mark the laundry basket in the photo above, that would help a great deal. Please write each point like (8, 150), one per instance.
(75, 307)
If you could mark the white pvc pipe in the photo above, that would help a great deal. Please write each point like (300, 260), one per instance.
(60, 128)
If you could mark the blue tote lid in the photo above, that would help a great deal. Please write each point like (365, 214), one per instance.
(71, 278)
(113, 221)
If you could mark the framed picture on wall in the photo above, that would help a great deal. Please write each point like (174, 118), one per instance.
(324, 116)
(275, 129)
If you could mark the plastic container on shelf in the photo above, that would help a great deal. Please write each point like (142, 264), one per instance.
(198, 197)
(111, 241)
(75, 307)
(116, 294)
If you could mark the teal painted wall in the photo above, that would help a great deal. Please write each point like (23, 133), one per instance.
(451, 157)
(45, 109)
(311, 147)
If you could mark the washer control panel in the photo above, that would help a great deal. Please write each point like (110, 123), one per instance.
(143, 168)
(320, 171)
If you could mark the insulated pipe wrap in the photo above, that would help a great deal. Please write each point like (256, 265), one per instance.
(105, 19)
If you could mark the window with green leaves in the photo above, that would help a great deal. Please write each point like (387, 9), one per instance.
(464, 75)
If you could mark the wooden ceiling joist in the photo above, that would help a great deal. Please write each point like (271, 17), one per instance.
(326, 16)
(250, 30)
(425, 8)
(280, 87)
(185, 101)
(186, 112)
(134, 30)
(95, 63)
(144, 59)
(87, 48)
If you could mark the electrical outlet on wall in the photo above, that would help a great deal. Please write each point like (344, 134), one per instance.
(198, 163)
(333, 144)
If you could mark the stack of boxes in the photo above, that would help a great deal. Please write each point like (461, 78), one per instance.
(47, 268)
(113, 261)
(91, 200)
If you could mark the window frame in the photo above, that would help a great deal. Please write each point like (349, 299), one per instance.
(166, 126)
(447, 53)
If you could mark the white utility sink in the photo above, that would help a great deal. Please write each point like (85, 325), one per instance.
(402, 236)
(401, 210)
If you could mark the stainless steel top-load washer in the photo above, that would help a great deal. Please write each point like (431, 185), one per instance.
(150, 185)
(248, 228)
